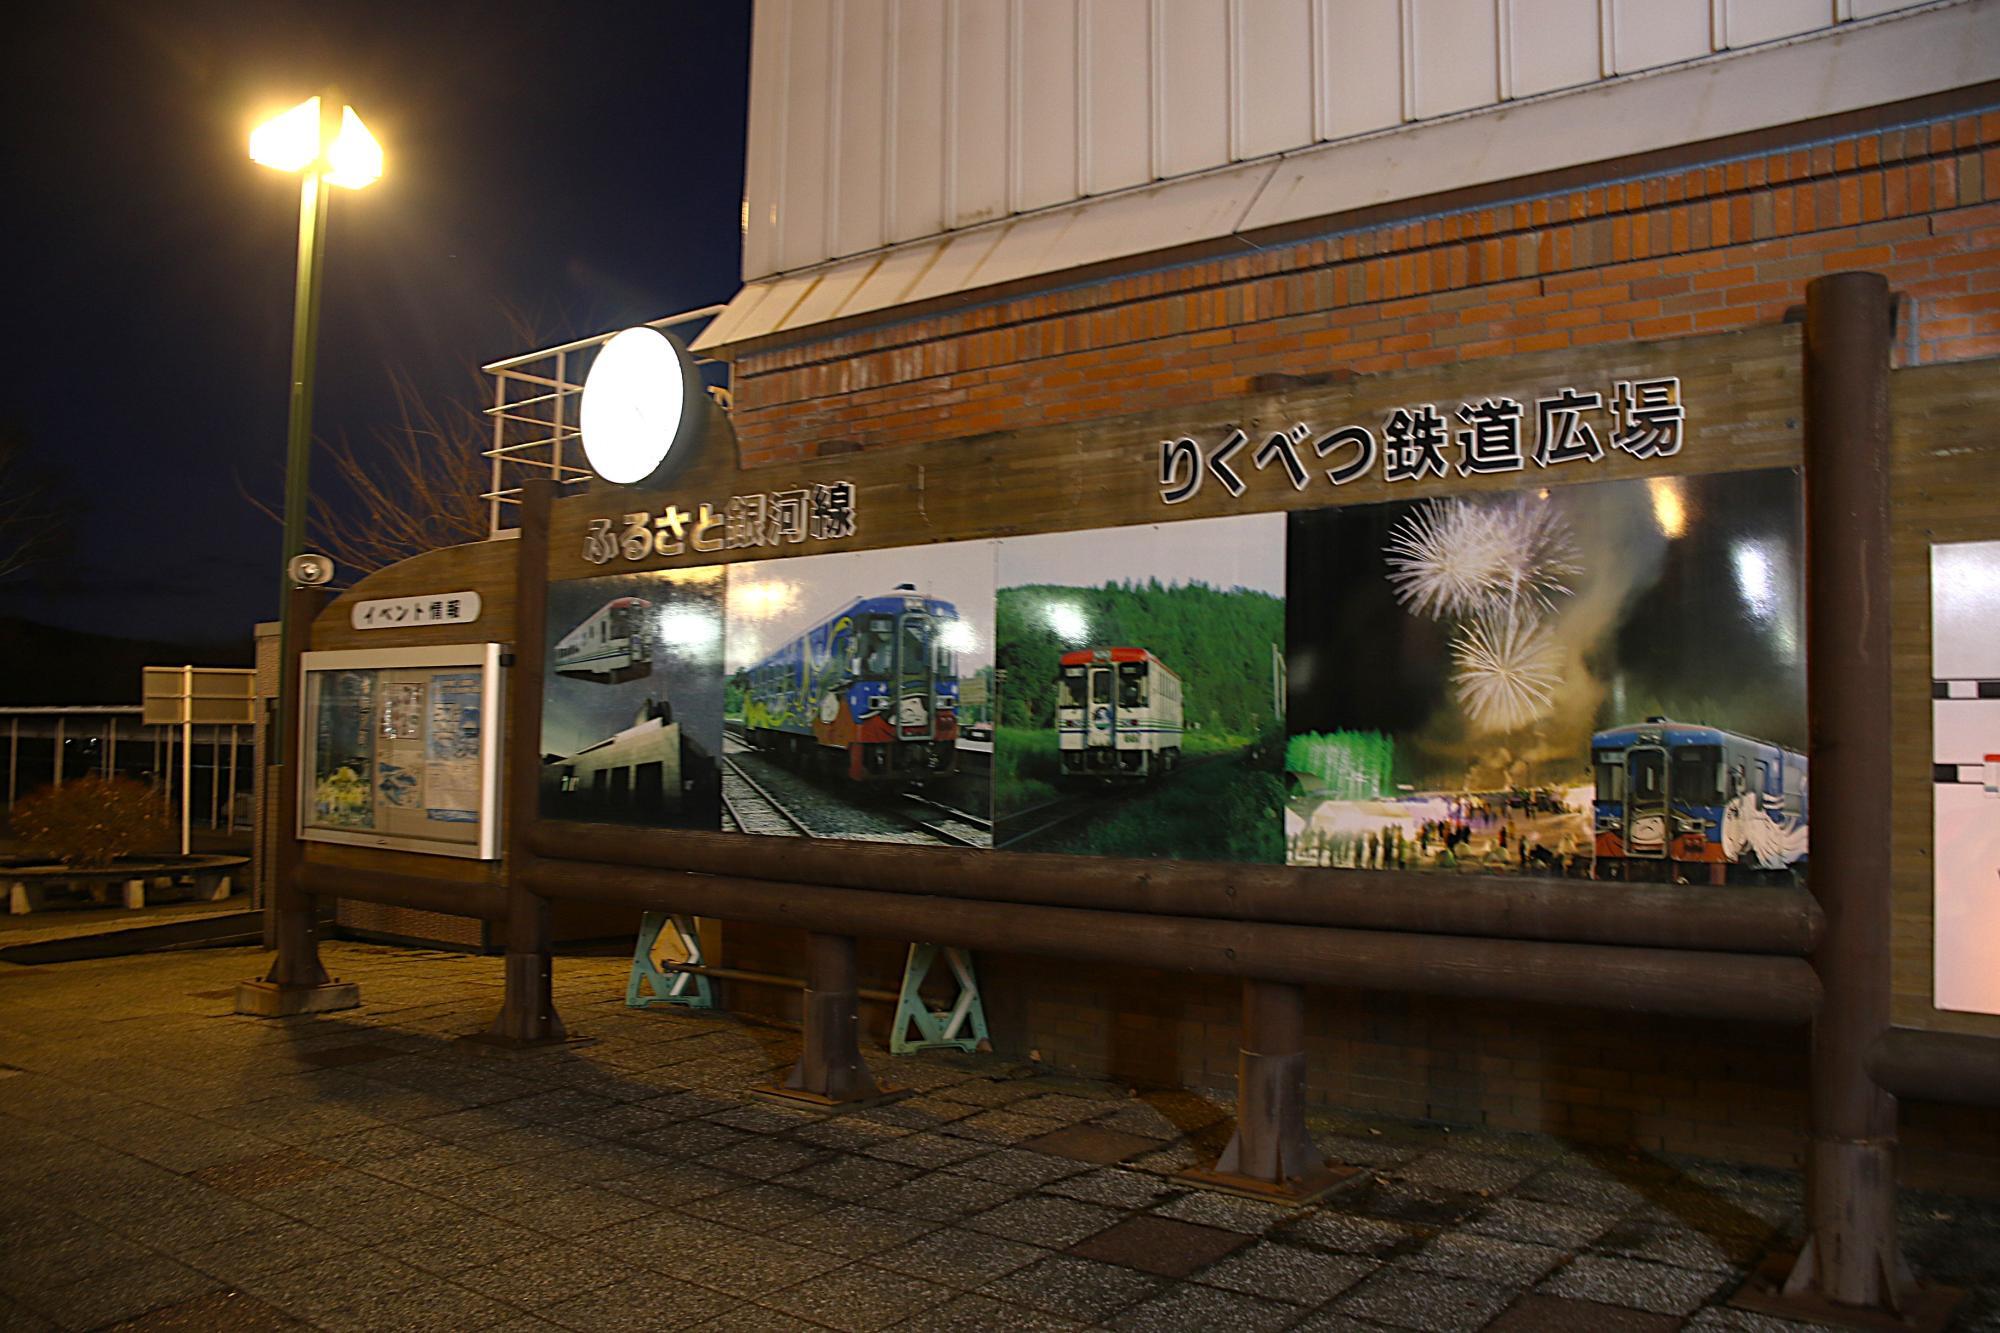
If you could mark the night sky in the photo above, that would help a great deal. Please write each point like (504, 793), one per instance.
(580, 164)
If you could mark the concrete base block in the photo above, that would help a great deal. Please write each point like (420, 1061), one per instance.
(135, 894)
(266, 999)
(1923, 1306)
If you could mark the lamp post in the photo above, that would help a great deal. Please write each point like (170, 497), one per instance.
(299, 140)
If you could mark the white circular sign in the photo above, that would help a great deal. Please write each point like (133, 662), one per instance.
(634, 399)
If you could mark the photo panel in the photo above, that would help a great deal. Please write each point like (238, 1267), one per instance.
(1141, 691)
(1599, 681)
(632, 706)
(1965, 775)
(859, 696)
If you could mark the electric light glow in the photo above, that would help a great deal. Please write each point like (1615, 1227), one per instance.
(633, 400)
(293, 141)
(354, 159)
(288, 141)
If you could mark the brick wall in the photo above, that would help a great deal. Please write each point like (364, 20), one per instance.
(1723, 245)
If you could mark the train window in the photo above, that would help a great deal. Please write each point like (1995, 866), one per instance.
(916, 648)
(1647, 772)
(1072, 687)
(1767, 780)
(1132, 685)
(1610, 775)
(878, 646)
(1697, 775)
(1100, 687)
(946, 661)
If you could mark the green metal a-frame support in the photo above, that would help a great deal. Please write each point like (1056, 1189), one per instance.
(650, 984)
(960, 1025)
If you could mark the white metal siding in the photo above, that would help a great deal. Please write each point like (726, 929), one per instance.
(1045, 94)
(1191, 96)
(879, 122)
(1272, 82)
(914, 129)
(1117, 60)
(1456, 44)
(1554, 44)
(857, 193)
(977, 80)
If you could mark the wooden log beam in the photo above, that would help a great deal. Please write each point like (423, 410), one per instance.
(1665, 916)
(1937, 1066)
(484, 902)
(1690, 983)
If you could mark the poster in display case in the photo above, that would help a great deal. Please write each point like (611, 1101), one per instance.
(397, 749)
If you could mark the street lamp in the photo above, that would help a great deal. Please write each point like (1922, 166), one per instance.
(299, 140)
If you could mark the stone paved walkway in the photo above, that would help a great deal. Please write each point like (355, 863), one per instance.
(167, 1165)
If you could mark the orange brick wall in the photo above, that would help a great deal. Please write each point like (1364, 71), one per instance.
(1724, 244)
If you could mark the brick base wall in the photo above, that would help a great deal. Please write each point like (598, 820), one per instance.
(1734, 1092)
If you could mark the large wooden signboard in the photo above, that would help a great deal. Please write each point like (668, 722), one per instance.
(1537, 617)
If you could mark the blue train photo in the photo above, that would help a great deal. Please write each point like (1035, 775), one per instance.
(1696, 804)
(870, 694)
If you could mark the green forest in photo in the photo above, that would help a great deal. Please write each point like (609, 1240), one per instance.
(1218, 641)
(1226, 802)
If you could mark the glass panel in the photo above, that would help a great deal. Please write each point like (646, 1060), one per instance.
(878, 646)
(1072, 688)
(1610, 775)
(1132, 685)
(915, 657)
(1100, 687)
(1647, 770)
(1698, 775)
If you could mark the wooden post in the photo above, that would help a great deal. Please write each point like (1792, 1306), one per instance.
(297, 983)
(830, 1071)
(527, 1010)
(1271, 1156)
(1851, 1254)
(1850, 1270)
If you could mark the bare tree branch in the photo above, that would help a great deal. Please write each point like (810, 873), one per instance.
(415, 487)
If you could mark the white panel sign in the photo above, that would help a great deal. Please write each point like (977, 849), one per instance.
(431, 608)
(1965, 774)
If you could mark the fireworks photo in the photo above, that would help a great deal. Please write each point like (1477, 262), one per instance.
(1596, 681)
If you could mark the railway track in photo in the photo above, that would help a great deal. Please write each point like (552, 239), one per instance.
(951, 825)
(1046, 818)
(1026, 827)
(761, 796)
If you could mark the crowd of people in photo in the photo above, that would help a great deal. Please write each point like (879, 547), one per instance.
(1476, 833)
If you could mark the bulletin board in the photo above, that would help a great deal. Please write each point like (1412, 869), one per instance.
(399, 748)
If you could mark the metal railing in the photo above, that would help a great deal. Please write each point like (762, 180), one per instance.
(84, 740)
(534, 414)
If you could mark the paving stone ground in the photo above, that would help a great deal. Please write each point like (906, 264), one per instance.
(165, 1164)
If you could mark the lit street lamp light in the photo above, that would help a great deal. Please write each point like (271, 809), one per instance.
(298, 140)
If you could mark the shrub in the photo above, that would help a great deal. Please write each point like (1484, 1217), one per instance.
(92, 821)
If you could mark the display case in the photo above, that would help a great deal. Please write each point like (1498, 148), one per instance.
(400, 748)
